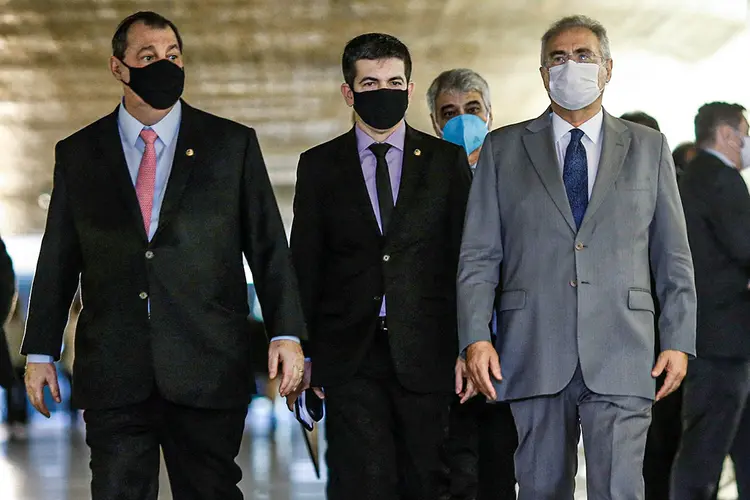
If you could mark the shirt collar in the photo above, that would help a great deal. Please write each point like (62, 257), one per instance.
(726, 161)
(396, 139)
(591, 128)
(166, 128)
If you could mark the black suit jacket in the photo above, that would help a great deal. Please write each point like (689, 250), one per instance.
(717, 210)
(194, 347)
(345, 265)
(7, 290)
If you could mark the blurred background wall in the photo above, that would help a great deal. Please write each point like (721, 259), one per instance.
(275, 65)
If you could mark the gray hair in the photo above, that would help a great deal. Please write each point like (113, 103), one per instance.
(572, 22)
(459, 80)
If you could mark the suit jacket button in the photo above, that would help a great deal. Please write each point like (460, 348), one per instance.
(143, 295)
(573, 283)
(579, 246)
(149, 255)
(386, 258)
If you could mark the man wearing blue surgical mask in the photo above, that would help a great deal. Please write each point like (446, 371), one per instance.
(459, 101)
(482, 436)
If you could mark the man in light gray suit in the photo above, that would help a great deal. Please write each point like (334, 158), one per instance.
(569, 213)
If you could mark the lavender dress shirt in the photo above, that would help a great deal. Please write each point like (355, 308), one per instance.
(395, 159)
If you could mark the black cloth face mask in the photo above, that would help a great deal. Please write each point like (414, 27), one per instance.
(381, 109)
(159, 84)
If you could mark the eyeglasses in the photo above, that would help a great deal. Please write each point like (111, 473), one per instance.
(584, 56)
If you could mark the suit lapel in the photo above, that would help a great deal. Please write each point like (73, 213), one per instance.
(110, 146)
(189, 151)
(352, 167)
(539, 144)
(412, 169)
(615, 144)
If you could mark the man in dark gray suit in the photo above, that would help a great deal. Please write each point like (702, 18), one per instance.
(569, 214)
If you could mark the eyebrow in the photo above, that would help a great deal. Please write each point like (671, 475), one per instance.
(446, 107)
(146, 49)
(473, 103)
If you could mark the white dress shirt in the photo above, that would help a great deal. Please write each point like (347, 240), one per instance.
(591, 140)
(167, 130)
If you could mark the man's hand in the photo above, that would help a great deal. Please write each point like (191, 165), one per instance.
(675, 362)
(482, 361)
(288, 354)
(462, 376)
(292, 397)
(37, 376)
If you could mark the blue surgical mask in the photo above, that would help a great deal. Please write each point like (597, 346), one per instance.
(468, 131)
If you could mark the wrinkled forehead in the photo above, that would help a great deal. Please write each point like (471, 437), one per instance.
(573, 40)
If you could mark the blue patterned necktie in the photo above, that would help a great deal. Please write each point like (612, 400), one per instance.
(576, 176)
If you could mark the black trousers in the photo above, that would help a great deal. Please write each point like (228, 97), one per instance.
(384, 442)
(715, 423)
(481, 445)
(16, 404)
(662, 443)
(199, 447)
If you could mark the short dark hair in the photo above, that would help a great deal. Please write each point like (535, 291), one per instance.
(642, 118)
(712, 115)
(373, 46)
(150, 19)
(681, 153)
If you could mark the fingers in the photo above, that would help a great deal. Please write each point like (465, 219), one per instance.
(671, 383)
(291, 399)
(287, 378)
(661, 364)
(319, 392)
(459, 376)
(470, 391)
(495, 367)
(273, 361)
(54, 387)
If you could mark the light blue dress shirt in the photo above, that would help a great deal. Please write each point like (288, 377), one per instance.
(167, 130)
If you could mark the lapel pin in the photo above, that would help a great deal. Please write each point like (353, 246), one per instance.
(189, 152)
(417, 152)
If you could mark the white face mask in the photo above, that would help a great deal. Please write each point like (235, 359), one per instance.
(574, 85)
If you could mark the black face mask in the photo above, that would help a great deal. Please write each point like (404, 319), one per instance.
(159, 84)
(381, 109)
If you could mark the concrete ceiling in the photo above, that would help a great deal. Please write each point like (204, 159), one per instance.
(274, 64)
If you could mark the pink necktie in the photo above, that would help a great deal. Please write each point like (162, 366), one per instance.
(144, 184)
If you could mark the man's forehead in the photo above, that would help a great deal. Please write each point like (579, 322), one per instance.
(575, 37)
(457, 98)
(146, 35)
(391, 66)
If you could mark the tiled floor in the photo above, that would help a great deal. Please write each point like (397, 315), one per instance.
(52, 464)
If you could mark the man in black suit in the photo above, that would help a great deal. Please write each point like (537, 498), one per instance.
(7, 291)
(378, 282)
(715, 412)
(152, 209)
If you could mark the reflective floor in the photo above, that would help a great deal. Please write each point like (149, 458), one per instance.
(52, 462)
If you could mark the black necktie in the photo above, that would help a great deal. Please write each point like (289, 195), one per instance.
(383, 183)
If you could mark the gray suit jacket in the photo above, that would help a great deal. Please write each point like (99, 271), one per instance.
(566, 296)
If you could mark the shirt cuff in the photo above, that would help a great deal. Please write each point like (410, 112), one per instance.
(39, 358)
(286, 337)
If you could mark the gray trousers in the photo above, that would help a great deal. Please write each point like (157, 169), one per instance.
(614, 439)
(715, 423)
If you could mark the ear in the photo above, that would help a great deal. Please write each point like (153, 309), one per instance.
(118, 69)
(544, 72)
(348, 94)
(435, 126)
(489, 121)
(608, 67)
(410, 89)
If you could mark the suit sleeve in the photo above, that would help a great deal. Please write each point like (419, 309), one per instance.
(57, 273)
(307, 239)
(459, 197)
(481, 252)
(7, 282)
(671, 262)
(730, 215)
(266, 249)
